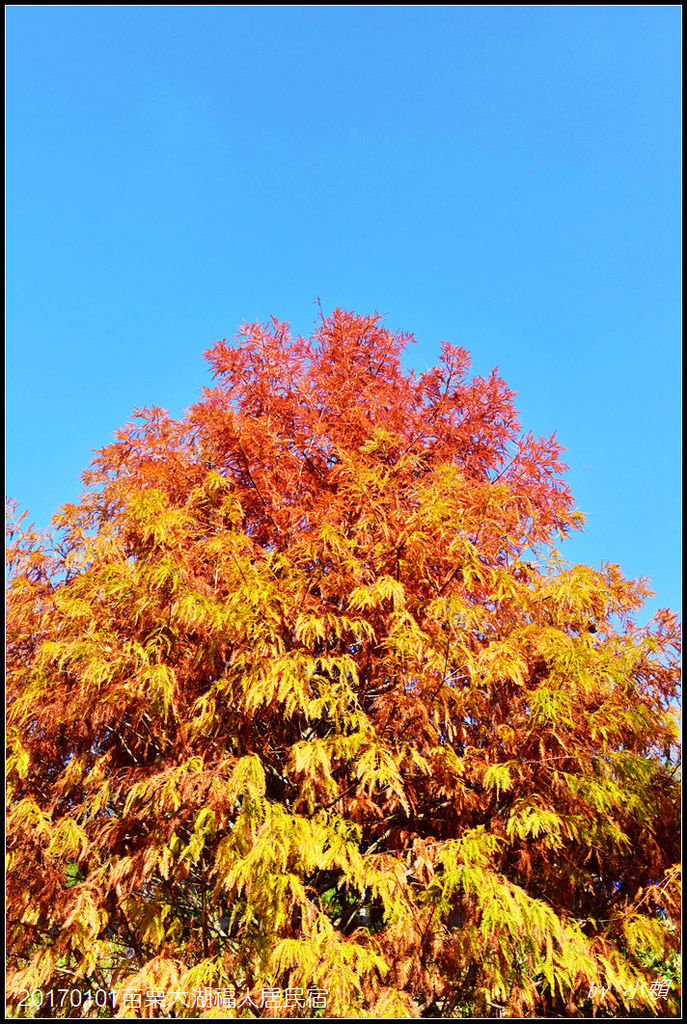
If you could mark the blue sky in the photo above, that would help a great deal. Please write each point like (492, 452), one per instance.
(507, 178)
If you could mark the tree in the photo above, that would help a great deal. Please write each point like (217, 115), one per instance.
(302, 697)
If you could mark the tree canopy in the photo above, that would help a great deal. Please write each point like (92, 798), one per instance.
(303, 699)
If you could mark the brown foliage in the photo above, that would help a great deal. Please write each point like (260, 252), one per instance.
(301, 695)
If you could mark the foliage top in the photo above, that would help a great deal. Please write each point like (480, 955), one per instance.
(301, 696)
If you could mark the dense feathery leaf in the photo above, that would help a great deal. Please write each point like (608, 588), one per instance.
(306, 712)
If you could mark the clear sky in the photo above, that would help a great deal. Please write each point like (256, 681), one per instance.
(507, 178)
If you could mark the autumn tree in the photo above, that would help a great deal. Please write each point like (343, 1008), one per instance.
(303, 699)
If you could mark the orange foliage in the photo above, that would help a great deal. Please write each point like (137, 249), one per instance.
(302, 697)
